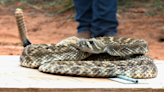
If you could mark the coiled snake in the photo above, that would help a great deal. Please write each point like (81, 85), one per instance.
(95, 57)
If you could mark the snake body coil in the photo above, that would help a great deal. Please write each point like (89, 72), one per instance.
(96, 57)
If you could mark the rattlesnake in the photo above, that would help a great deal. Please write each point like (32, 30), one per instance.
(95, 57)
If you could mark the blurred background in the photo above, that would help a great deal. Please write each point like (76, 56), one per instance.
(50, 21)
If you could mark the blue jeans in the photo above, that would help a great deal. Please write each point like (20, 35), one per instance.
(97, 17)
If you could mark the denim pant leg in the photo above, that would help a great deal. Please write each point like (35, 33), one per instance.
(83, 15)
(104, 22)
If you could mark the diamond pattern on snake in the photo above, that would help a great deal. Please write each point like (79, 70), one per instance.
(95, 57)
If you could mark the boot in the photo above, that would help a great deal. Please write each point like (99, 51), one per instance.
(84, 35)
(161, 35)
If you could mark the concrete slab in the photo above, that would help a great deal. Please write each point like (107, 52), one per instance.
(13, 77)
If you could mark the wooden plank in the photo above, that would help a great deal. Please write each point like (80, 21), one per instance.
(16, 78)
(76, 90)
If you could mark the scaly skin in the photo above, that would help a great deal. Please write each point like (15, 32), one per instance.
(96, 57)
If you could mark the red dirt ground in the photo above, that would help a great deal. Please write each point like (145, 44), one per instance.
(41, 29)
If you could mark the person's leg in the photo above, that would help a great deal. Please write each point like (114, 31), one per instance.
(104, 21)
(83, 16)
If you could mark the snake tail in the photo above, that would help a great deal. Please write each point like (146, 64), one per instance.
(22, 27)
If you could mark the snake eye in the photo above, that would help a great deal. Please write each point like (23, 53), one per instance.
(91, 42)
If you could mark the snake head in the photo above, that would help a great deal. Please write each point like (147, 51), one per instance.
(91, 46)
